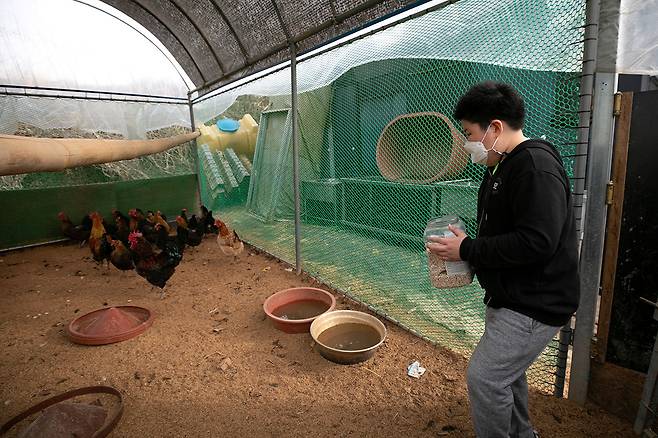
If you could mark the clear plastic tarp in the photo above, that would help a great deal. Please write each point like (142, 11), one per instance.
(73, 45)
(87, 45)
(132, 120)
(76, 45)
(637, 51)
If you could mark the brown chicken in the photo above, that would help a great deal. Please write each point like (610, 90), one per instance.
(122, 225)
(139, 222)
(123, 229)
(183, 215)
(100, 247)
(133, 222)
(228, 240)
(159, 220)
(120, 257)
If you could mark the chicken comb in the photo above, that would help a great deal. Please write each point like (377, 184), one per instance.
(133, 236)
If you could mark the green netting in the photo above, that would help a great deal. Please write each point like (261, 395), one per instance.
(377, 161)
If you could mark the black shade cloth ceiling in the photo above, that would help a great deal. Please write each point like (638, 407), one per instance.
(217, 41)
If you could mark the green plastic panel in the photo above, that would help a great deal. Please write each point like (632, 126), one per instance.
(30, 216)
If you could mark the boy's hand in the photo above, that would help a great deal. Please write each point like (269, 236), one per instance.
(447, 248)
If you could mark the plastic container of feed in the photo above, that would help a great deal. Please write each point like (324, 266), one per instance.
(446, 274)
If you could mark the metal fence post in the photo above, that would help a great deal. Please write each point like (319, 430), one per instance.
(199, 201)
(599, 158)
(562, 355)
(295, 157)
(591, 255)
(580, 165)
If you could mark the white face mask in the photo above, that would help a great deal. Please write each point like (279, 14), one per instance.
(478, 151)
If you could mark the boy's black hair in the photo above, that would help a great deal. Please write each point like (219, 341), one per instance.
(489, 100)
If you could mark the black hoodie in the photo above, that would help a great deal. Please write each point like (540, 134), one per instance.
(526, 253)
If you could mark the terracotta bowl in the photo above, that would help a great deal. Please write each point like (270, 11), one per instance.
(288, 296)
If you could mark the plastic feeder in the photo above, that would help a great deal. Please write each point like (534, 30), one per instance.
(113, 324)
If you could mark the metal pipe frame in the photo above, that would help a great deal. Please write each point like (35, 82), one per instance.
(580, 164)
(591, 254)
(143, 35)
(585, 109)
(282, 23)
(335, 20)
(74, 90)
(196, 159)
(332, 7)
(104, 99)
(241, 45)
(562, 356)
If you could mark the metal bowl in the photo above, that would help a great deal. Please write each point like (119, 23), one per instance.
(337, 317)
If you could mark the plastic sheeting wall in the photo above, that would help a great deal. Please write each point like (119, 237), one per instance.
(130, 119)
(637, 51)
(68, 44)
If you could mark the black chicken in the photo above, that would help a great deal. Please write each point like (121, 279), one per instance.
(78, 233)
(193, 222)
(208, 221)
(188, 236)
(154, 264)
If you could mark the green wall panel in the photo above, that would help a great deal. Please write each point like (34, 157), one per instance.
(30, 216)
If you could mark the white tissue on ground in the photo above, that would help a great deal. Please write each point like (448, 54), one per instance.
(415, 370)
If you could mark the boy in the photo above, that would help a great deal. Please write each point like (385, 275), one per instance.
(525, 255)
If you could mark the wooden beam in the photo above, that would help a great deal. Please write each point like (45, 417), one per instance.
(613, 227)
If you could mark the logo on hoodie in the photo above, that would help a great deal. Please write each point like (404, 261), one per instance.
(496, 186)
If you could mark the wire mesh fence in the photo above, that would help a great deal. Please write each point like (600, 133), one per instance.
(380, 153)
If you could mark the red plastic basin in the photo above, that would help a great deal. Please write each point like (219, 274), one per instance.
(288, 296)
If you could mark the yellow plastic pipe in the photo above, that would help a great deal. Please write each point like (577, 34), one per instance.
(242, 141)
(32, 154)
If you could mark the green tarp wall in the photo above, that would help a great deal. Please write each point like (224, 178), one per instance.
(30, 216)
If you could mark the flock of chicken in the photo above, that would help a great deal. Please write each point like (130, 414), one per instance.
(147, 243)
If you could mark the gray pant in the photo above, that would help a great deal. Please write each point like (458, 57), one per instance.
(497, 385)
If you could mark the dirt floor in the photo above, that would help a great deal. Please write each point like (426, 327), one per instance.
(212, 365)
